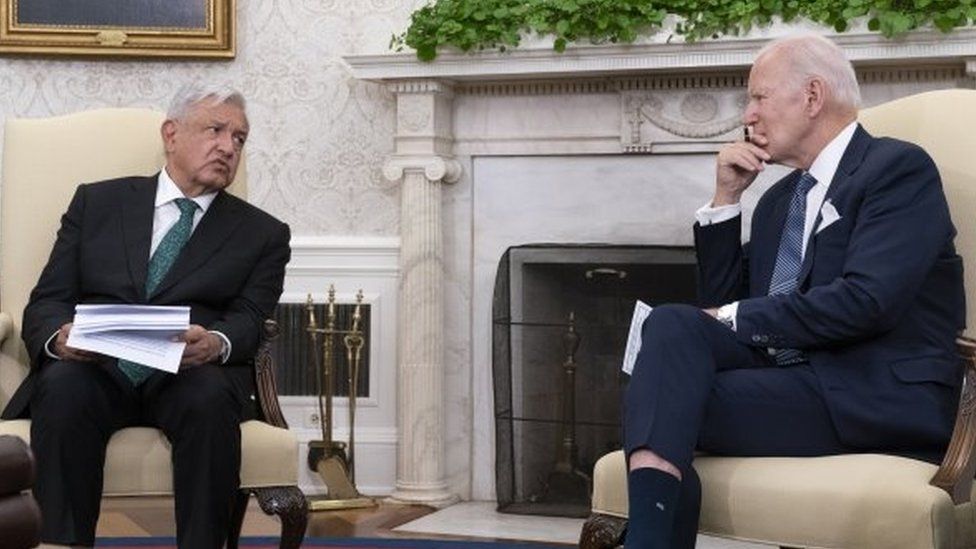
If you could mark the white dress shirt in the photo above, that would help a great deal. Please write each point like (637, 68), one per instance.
(823, 168)
(167, 213)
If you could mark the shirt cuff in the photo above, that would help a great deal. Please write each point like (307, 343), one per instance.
(730, 312)
(225, 348)
(708, 215)
(47, 346)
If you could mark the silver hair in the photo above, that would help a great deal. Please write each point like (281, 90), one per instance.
(191, 94)
(811, 55)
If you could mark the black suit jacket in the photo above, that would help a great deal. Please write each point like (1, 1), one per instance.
(230, 273)
(880, 299)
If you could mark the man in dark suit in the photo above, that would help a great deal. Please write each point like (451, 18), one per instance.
(174, 239)
(831, 332)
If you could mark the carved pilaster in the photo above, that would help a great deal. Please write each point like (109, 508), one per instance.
(422, 162)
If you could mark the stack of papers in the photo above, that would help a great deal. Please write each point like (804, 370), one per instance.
(145, 334)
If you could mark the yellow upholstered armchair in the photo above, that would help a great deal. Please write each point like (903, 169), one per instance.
(857, 500)
(43, 161)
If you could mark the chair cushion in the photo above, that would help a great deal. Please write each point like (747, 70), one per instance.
(857, 500)
(138, 460)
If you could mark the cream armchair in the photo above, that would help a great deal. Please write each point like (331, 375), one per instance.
(859, 500)
(43, 161)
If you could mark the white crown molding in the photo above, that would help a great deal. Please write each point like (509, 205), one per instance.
(353, 245)
(317, 256)
(730, 53)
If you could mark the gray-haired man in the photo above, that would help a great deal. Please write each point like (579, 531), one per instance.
(172, 239)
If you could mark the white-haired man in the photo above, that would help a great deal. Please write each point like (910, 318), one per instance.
(172, 239)
(832, 331)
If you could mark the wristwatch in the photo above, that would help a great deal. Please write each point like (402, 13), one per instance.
(726, 315)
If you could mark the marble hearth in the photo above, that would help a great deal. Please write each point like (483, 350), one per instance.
(599, 144)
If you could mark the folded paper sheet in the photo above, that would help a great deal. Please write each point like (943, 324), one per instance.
(641, 310)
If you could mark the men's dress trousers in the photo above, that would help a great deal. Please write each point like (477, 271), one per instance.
(789, 257)
(162, 259)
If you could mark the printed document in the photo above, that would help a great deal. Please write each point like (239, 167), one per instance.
(145, 334)
(641, 310)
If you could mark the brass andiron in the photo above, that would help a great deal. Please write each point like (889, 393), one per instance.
(566, 483)
(333, 460)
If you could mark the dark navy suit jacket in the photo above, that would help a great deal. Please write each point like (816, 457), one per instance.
(880, 299)
(230, 273)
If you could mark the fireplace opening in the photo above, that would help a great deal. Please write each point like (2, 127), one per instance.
(560, 317)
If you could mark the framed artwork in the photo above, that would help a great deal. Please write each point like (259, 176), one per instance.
(139, 28)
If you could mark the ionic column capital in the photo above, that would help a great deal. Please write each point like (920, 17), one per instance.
(435, 168)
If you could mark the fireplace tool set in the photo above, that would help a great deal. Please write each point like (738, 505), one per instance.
(333, 460)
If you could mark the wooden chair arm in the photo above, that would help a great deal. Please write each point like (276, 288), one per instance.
(955, 475)
(264, 379)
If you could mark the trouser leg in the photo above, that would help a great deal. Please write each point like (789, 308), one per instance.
(768, 412)
(200, 413)
(694, 385)
(75, 408)
(683, 348)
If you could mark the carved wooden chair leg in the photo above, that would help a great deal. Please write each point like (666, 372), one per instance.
(291, 507)
(237, 511)
(602, 532)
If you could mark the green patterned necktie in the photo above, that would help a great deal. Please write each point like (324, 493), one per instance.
(162, 259)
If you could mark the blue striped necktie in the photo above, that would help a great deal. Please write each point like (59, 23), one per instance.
(162, 259)
(789, 258)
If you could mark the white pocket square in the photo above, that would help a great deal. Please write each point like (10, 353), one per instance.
(828, 215)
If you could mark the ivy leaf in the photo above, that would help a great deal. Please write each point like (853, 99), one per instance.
(945, 23)
(559, 45)
(562, 26)
(426, 52)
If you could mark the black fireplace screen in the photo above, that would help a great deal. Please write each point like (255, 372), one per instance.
(560, 319)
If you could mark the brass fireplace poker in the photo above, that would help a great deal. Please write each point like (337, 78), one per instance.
(566, 483)
(333, 460)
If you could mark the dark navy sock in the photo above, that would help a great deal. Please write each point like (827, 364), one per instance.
(684, 534)
(652, 497)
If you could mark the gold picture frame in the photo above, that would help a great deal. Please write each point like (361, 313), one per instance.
(119, 28)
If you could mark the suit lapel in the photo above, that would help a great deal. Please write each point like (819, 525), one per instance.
(215, 227)
(849, 163)
(137, 219)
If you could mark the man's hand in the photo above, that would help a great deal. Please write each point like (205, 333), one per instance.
(738, 164)
(70, 353)
(202, 347)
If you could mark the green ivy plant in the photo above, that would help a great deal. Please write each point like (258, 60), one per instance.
(498, 24)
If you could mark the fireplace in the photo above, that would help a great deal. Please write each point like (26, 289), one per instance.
(607, 143)
(560, 316)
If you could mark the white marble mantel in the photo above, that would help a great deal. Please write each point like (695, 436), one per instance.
(657, 55)
(530, 145)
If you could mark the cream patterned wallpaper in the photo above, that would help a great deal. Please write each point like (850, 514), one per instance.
(318, 136)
